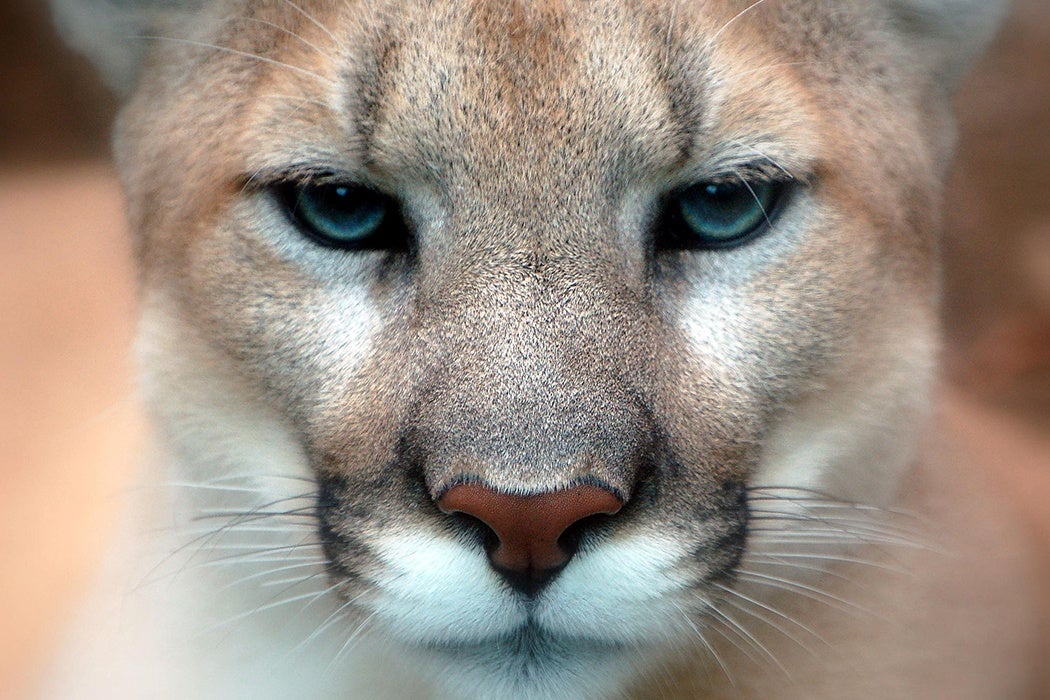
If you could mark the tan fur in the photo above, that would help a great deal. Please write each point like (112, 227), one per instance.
(535, 338)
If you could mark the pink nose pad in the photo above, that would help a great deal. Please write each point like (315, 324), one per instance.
(529, 527)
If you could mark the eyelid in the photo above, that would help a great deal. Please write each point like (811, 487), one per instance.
(301, 176)
(752, 172)
(750, 167)
(747, 175)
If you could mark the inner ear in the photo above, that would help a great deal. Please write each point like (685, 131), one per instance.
(947, 35)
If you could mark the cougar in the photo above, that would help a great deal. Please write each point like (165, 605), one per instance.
(544, 349)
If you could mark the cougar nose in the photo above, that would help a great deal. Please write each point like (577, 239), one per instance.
(529, 529)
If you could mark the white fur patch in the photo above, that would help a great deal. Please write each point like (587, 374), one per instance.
(439, 591)
(435, 590)
(619, 591)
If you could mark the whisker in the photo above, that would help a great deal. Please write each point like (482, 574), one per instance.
(216, 512)
(313, 20)
(248, 527)
(251, 476)
(846, 525)
(833, 558)
(771, 560)
(150, 576)
(284, 30)
(838, 517)
(256, 548)
(759, 153)
(758, 200)
(226, 561)
(754, 640)
(201, 486)
(347, 645)
(301, 100)
(309, 512)
(237, 52)
(846, 532)
(774, 611)
(207, 537)
(857, 510)
(816, 498)
(271, 572)
(733, 637)
(326, 624)
(703, 640)
(269, 606)
(297, 581)
(838, 511)
(724, 27)
(806, 591)
(237, 559)
(724, 634)
(772, 535)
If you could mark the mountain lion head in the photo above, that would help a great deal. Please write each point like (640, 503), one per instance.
(536, 328)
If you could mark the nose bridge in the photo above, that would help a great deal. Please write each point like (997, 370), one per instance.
(526, 303)
(533, 392)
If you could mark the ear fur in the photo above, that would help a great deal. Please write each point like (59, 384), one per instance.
(948, 35)
(109, 31)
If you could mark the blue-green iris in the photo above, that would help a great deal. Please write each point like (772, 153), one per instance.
(341, 215)
(718, 214)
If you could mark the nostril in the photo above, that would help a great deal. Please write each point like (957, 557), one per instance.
(570, 539)
(535, 535)
(487, 537)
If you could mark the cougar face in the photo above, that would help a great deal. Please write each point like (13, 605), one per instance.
(554, 305)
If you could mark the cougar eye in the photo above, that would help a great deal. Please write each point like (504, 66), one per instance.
(345, 216)
(720, 214)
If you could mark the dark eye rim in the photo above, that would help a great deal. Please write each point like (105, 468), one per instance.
(393, 234)
(673, 234)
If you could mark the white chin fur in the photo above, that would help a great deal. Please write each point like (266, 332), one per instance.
(436, 591)
(619, 592)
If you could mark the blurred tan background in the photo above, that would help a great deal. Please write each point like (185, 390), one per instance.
(69, 425)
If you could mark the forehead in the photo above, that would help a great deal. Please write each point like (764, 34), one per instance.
(408, 88)
(535, 78)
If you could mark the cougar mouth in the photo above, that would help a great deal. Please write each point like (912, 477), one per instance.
(531, 639)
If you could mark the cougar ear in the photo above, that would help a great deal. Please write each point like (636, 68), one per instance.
(947, 35)
(111, 32)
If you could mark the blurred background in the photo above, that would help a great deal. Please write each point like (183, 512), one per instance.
(70, 427)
